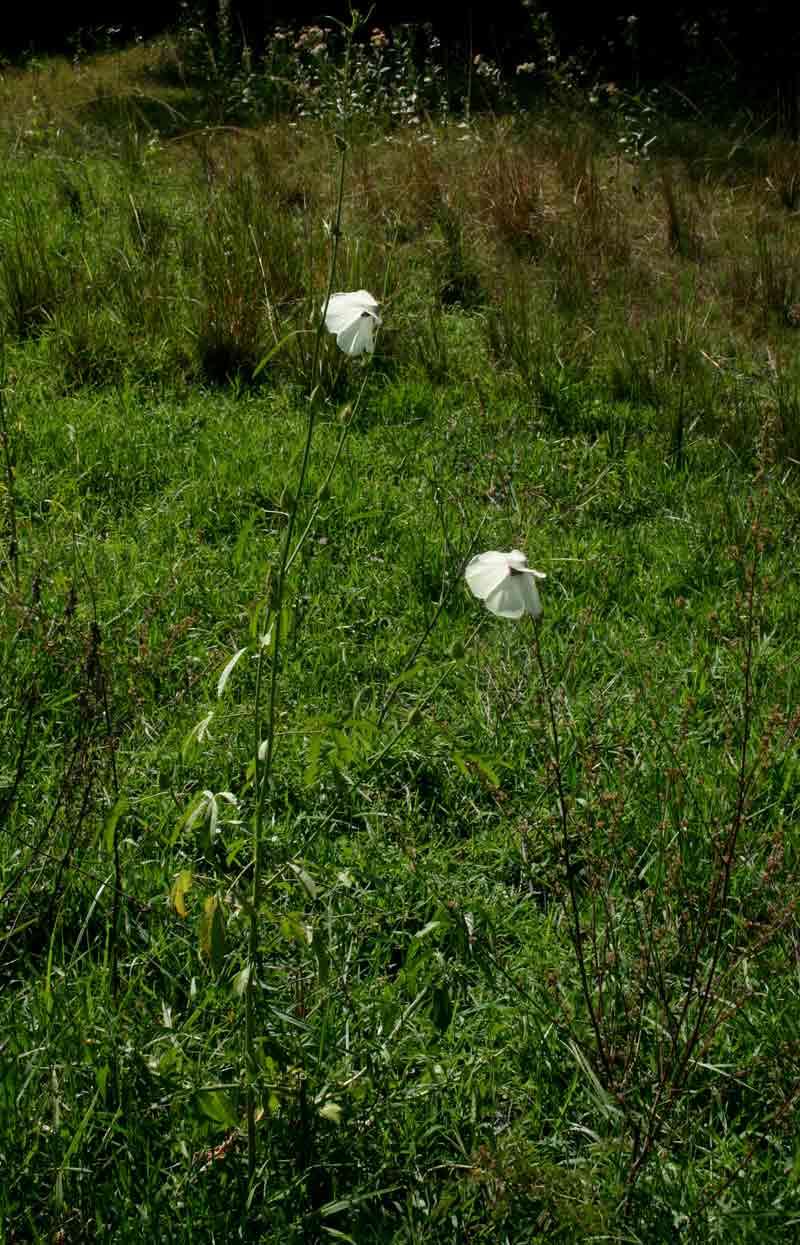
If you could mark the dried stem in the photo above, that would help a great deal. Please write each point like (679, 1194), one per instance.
(569, 864)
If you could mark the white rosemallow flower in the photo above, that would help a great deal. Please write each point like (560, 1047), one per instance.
(353, 318)
(505, 583)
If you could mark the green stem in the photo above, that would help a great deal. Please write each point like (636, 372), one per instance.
(274, 614)
(417, 649)
(13, 542)
(323, 487)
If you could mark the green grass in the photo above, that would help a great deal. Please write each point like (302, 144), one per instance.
(428, 1065)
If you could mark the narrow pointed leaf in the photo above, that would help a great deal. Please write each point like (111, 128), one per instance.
(226, 673)
(183, 884)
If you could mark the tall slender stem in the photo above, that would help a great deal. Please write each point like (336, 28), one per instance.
(13, 542)
(566, 848)
(265, 747)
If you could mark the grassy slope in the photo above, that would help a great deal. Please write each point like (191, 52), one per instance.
(545, 337)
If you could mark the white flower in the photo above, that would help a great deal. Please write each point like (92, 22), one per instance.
(353, 318)
(505, 583)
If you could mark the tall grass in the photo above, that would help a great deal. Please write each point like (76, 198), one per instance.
(331, 907)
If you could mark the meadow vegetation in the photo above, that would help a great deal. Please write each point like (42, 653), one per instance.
(331, 906)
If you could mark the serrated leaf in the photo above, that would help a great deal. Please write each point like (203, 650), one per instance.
(226, 673)
(182, 885)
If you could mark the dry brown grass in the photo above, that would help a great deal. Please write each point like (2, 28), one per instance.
(54, 93)
(539, 210)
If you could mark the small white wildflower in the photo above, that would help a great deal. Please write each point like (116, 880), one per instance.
(505, 583)
(353, 318)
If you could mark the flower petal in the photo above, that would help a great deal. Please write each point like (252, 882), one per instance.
(505, 582)
(485, 572)
(343, 309)
(508, 599)
(358, 336)
(530, 594)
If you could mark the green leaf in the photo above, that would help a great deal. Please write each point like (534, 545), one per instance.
(441, 1008)
(323, 961)
(212, 933)
(420, 666)
(181, 886)
(306, 879)
(195, 737)
(282, 623)
(217, 1107)
(118, 811)
(188, 818)
(241, 980)
(275, 350)
(295, 930)
(312, 753)
(347, 1203)
(331, 1111)
(226, 673)
(468, 762)
(484, 767)
(242, 541)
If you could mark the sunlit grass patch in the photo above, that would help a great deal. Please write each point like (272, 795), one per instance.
(332, 902)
